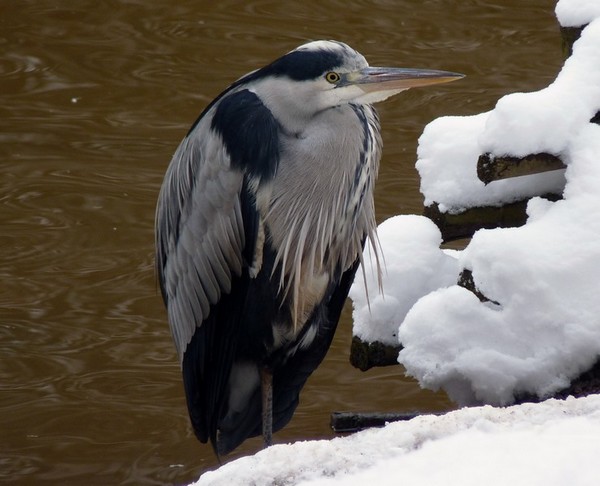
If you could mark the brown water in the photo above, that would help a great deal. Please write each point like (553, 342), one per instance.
(95, 97)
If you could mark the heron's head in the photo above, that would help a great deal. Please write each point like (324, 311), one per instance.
(324, 74)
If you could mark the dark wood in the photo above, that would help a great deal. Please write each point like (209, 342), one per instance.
(454, 226)
(355, 421)
(364, 355)
(465, 280)
(491, 168)
(569, 35)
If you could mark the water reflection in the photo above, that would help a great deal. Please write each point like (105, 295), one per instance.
(95, 97)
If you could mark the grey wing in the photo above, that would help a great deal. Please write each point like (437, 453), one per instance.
(199, 232)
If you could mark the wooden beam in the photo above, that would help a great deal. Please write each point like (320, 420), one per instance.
(455, 226)
(364, 355)
(465, 280)
(492, 168)
(356, 421)
(569, 35)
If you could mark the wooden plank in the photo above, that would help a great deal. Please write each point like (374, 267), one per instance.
(465, 280)
(454, 226)
(364, 355)
(492, 168)
(355, 421)
(569, 35)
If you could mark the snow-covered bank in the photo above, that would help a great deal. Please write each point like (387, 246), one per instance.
(552, 443)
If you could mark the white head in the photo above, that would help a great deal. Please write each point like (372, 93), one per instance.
(325, 74)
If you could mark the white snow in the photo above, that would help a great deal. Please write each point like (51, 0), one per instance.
(551, 444)
(540, 329)
(541, 326)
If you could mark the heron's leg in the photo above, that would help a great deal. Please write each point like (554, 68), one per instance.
(266, 385)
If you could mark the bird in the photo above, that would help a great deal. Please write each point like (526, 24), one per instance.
(260, 226)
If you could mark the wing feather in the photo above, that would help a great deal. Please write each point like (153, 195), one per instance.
(210, 238)
(199, 232)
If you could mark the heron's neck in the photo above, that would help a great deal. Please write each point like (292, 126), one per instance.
(321, 202)
(293, 105)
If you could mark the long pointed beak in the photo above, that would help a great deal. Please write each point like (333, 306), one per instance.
(388, 79)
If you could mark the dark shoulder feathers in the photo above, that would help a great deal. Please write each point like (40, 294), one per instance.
(250, 133)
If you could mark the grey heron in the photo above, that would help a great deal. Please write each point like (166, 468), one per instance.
(260, 226)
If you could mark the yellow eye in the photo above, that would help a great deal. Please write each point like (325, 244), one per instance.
(332, 77)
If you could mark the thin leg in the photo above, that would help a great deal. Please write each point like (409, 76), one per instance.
(266, 384)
